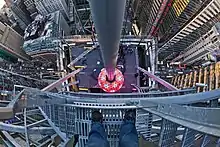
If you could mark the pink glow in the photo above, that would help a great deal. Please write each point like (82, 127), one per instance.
(113, 86)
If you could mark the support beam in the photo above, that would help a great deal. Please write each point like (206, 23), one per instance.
(33, 142)
(60, 81)
(211, 78)
(205, 79)
(181, 82)
(200, 79)
(16, 74)
(77, 15)
(168, 133)
(158, 17)
(178, 97)
(159, 80)
(194, 118)
(194, 78)
(25, 128)
(36, 123)
(30, 112)
(56, 129)
(10, 139)
(79, 57)
(217, 75)
(15, 99)
(190, 80)
(20, 129)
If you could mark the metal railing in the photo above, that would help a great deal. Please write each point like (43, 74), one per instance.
(70, 113)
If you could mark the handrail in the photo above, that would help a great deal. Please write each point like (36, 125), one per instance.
(131, 95)
(201, 119)
(8, 111)
(159, 80)
(60, 81)
(21, 129)
(12, 102)
(43, 98)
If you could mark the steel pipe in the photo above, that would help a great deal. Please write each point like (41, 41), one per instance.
(108, 18)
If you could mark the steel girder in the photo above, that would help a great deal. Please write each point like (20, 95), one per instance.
(163, 106)
(174, 97)
(201, 119)
(197, 118)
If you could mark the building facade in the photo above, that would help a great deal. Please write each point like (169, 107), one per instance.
(45, 7)
(11, 43)
(44, 33)
(20, 13)
(30, 5)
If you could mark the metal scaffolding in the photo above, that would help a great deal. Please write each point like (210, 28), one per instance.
(161, 117)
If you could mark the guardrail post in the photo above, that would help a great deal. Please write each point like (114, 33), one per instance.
(200, 79)
(190, 80)
(168, 133)
(211, 77)
(181, 82)
(178, 82)
(205, 79)
(194, 78)
(217, 75)
(186, 81)
(188, 138)
(205, 141)
(144, 123)
(175, 80)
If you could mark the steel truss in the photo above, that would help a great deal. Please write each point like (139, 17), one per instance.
(63, 115)
(58, 113)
